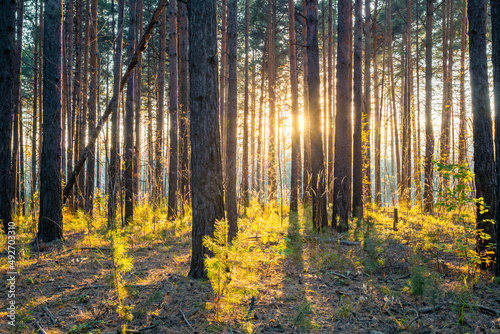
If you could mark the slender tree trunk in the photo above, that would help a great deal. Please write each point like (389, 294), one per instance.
(137, 106)
(272, 167)
(495, 29)
(260, 126)
(366, 121)
(462, 132)
(484, 166)
(343, 123)
(93, 89)
(306, 192)
(129, 124)
(357, 163)
(406, 121)
(173, 151)
(158, 184)
(232, 122)
(77, 96)
(50, 217)
(114, 166)
(70, 116)
(244, 167)
(376, 88)
(34, 151)
(295, 110)
(206, 181)
(253, 101)
(331, 113)
(222, 84)
(429, 131)
(184, 104)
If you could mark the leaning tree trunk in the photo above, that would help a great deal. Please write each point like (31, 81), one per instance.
(206, 181)
(484, 166)
(50, 217)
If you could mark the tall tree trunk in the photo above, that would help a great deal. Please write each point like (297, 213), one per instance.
(462, 132)
(495, 29)
(129, 124)
(367, 192)
(222, 84)
(50, 217)
(484, 166)
(357, 162)
(343, 123)
(376, 88)
(306, 179)
(272, 167)
(232, 122)
(114, 166)
(184, 104)
(320, 219)
(173, 151)
(158, 184)
(93, 89)
(206, 180)
(260, 156)
(253, 130)
(7, 59)
(331, 112)
(429, 131)
(244, 167)
(70, 115)
(137, 106)
(295, 110)
(406, 121)
(77, 97)
(34, 150)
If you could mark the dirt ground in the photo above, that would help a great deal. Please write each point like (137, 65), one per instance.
(322, 285)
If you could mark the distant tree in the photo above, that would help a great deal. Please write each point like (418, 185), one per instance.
(206, 181)
(343, 122)
(7, 58)
(484, 163)
(50, 217)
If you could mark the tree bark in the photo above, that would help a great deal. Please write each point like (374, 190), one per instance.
(343, 123)
(484, 166)
(495, 38)
(295, 109)
(272, 167)
(50, 217)
(232, 122)
(184, 104)
(244, 167)
(367, 192)
(206, 182)
(173, 150)
(357, 156)
(429, 131)
(7, 59)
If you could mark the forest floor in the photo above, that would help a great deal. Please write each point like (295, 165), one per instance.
(282, 278)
